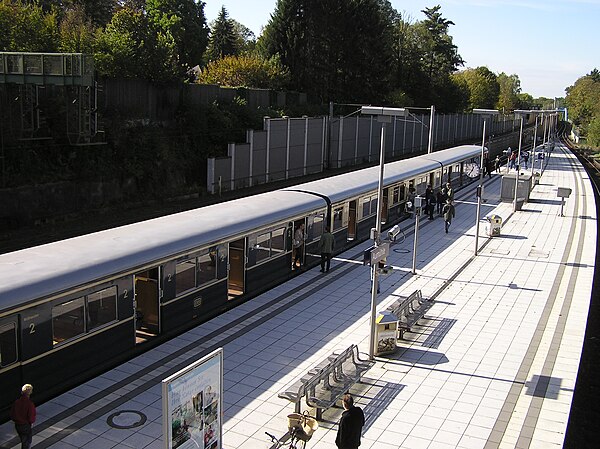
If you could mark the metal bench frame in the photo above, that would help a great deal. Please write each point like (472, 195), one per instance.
(323, 385)
(408, 311)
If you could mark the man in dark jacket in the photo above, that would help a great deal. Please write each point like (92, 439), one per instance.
(326, 245)
(23, 415)
(351, 424)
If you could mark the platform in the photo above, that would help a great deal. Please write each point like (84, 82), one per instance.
(493, 364)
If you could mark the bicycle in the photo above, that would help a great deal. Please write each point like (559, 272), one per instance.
(282, 443)
(300, 429)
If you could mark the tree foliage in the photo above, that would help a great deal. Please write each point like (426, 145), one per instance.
(183, 23)
(77, 32)
(26, 27)
(223, 40)
(482, 86)
(508, 96)
(583, 101)
(335, 49)
(131, 47)
(246, 71)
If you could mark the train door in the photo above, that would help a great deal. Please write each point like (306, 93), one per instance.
(146, 286)
(298, 252)
(237, 268)
(432, 179)
(10, 380)
(352, 220)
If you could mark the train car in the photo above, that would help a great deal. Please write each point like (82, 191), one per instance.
(71, 309)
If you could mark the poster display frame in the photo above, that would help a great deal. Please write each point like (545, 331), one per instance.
(192, 405)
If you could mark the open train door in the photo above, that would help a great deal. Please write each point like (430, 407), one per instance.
(147, 309)
(236, 268)
(352, 220)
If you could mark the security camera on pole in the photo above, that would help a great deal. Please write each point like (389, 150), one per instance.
(384, 115)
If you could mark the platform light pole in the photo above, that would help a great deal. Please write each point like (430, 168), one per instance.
(521, 113)
(485, 114)
(384, 115)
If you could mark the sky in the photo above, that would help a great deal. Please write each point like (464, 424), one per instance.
(549, 44)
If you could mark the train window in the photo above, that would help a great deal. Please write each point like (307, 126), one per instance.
(8, 344)
(101, 307)
(396, 195)
(374, 204)
(263, 247)
(366, 206)
(277, 241)
(317, 226)
(207, 266)
(402, 192)
(67, 320)
(185, 276)
(338, 214)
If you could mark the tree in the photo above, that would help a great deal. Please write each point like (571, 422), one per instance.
(27, 28)
(100, 12)
(223, 39)
(335, 49)
(583, 101)
(439, 56)
(184, 23)
(593, 132)
(77, 33)
(510, 88)
(131, 47)
(246, 40)
(482, 85)
(246, 71)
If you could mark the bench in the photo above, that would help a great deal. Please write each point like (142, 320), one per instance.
(324, 384)
(408, 311)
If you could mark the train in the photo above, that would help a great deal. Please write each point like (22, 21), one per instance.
(74, 308)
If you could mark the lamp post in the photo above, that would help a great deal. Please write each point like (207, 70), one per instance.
(485, 113)
(384, 115)
(521, 114)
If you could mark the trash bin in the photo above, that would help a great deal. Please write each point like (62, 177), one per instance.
(494, 225)
(386, 333)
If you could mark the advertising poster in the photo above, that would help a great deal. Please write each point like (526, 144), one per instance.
(192, 405)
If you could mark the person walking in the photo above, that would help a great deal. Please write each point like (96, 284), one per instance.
(525, 158)
(513, 160)
(299, 238)
(23, 415)
(497, 164)
(326, 245)
(350, 426)
(449, 214)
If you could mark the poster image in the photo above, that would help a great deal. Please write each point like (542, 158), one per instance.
(192, 407)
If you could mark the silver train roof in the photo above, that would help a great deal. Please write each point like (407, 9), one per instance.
(55, 267)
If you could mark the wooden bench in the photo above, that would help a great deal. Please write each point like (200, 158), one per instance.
(408, 311)
(324, 384)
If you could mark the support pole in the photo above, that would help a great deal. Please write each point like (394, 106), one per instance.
(479, 190)
(376, 241)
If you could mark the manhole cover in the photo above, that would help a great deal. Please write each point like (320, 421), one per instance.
(502, 252)
(538, 254)
(126, 419)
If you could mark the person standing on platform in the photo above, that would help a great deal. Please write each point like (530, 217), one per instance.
(449, 214)
(497, 164)
(299, 238)
(350, 426)
(441, 200)
(525, 159)
(488, 167)
(449, 192)
(513, 160)
(430, 201)
(326, 245)
(23, 415)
